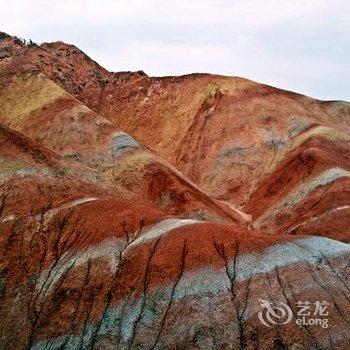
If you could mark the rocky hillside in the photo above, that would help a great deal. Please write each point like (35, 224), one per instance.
(192, 212)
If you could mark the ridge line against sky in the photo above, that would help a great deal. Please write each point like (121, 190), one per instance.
(302, 46)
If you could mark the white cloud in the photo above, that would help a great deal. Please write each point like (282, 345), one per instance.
(256, 12)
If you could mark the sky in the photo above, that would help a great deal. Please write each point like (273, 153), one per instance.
(303, 46)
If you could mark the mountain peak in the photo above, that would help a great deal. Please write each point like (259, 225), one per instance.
(160, 216)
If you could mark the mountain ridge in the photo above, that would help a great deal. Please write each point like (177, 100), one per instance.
(157, 213)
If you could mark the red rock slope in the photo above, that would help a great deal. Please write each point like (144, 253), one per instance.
(224, 133)
(111, 241)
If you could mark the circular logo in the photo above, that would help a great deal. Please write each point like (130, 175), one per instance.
(274, 313)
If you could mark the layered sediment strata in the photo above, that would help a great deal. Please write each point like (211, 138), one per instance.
(164, 213)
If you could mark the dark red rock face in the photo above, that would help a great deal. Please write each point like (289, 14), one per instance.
(195, 212)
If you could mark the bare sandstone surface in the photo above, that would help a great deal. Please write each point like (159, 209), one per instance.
(192, 212)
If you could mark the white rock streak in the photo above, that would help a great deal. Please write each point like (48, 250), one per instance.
(109, 250)
(323, 131)
(318, 217)
(302, 191)
(52, 212)
(162, 228)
